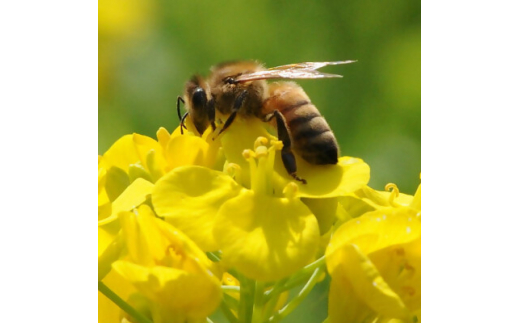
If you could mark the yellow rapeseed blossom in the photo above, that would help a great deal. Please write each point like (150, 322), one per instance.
(375, 264)
(166, 205)
(366, 199)
(126, 173)
(253, 211)
(180, 283)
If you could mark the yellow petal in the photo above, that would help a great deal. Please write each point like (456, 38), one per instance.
(189, 198)
(344, 305)
(151, 241)
(108, 311)
(401, 269)
(324, 210)
(163, 136)
(354, 207)
(189, 295)
(416, 202)
(264, 237)
(367, 284)
(187, 150)
(378, 229)
(372, 200)
(109, 250)
(142, 242)
(116, 182)
(131, 198)
(121, 154)
(324, 181)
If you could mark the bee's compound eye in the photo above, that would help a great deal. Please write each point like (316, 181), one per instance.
(199, 97)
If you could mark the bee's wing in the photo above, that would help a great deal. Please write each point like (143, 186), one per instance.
(306, 70)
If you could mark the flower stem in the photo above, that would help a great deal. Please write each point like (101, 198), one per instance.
(138, 317)
(258, 303)
(229, 288)
(297, 279)
(299, 298)
(247, 290)
(272, 296)
(227, 311)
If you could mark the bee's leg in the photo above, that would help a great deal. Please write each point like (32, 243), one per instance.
(179, 100)
(181, 119)
(182, 122)
(211, 113)
(238, 103)
(288, 159)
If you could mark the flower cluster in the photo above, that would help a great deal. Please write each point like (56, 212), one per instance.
(188, 224)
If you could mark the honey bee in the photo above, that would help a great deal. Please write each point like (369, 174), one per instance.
(241, 88)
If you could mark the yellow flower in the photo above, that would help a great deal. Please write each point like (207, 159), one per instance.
(253, 211)
(375, 264)
(168, 269)
(128, 169)
(126, 173)
(137, 156)
(366, 199)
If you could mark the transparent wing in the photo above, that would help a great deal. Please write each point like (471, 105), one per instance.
(306, 70)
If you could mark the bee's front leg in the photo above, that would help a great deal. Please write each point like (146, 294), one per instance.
(288, 159)
(181, 118)
(236, 106)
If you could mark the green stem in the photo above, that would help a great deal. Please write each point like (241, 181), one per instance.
(247, 290)
(227, 311)
(226, 288)
(279, 285)
(297, 279)
(138, 317)
(318, 263)
(258, 303)
(299, 298)
(231, 302)
(272, 296)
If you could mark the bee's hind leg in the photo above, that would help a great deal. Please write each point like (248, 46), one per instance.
(288, 159)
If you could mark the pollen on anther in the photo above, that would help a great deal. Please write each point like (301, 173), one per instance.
(247, 153)
(290, 190)
(261, 151)
(260, 141)
(277, 144)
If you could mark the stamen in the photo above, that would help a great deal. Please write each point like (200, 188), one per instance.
(276, 145)
(235, 171)
(260, 141)
(261, 151)
(173, 257)
(394, 193)
(290, 190)
(248, 154)
(393, 187)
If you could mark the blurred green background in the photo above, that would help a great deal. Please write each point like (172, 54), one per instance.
(149, 48)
